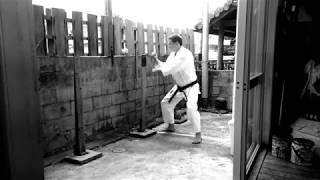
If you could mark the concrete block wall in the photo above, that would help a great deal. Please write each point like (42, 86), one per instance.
(111, 94)
(220, 85)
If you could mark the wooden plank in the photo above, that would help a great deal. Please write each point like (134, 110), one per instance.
(38, 23)
(220, 48)
(117, 21)
(130, 37)
(77, 28)
(92, 35)
(161, 41)
(150, 38)
(51, 47)
(105, 37)
(110, 34)
(79, 148)
(140, 39)
(191, 34)
(60, 31)
(156, 41)
(144, 61)
(184, 39)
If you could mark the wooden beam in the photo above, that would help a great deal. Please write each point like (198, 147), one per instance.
(130, 37)
(204, 62)
(227, 23)
(92, 35)
(223, 14)
(51, 51)
(220, 48)
(140, 38)
(117, 21)
(40, 39)
(77, 33)
(60, 31)
(79, 147)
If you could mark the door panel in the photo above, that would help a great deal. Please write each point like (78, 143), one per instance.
(250, 84)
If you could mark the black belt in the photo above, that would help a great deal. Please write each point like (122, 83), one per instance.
(181, 89)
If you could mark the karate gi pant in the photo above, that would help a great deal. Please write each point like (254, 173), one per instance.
(192, 106)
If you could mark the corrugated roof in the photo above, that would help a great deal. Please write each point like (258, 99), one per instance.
(227, 11)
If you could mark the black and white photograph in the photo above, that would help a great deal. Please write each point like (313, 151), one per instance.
(159, 90)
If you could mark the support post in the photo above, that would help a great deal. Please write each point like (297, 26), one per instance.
(79, 147)
(204, 62)
(220, 47)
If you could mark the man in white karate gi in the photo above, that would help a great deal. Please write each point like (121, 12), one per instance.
(180, 64)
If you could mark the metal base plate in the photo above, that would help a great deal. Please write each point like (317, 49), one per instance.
(89, 156)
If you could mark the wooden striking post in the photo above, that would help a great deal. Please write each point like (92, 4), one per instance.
(143, 89)
(80, 154)
(204, 62)
(79, 148)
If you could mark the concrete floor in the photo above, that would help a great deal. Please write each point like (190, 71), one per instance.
(163, 156)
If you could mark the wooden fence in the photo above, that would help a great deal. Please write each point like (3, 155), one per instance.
(57, 35)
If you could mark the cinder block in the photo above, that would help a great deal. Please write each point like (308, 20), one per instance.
(87, 104)
(151, 101)
(67, 122)
(127, 107)
(149, 91)
(55, 111)
(127, 85)
(132, 95)
(65, 94)
(47, 96)
(119, 98)
(114, 110)
(101, 101)
(119, 122)
(138, 104)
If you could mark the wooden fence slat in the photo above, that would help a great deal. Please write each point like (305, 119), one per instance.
(140, 38)
(130, 37)
(157, 43)
(60, 31)
(187, 38)
(150, 38)
(92, 35)
(169, 33)
(191, 41)
(117, 21)
(184, 40)
(110, 32)
(77, 28)
(40, 39)
(51, 47)
(105, 36)
(161, 41)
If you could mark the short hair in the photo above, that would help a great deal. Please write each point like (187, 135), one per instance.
(176, 38)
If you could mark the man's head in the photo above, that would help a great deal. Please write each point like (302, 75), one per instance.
(175, 42)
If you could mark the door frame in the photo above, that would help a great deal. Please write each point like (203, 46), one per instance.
(242, 81)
